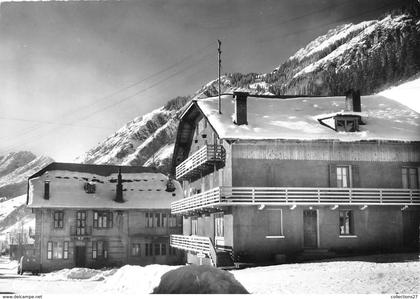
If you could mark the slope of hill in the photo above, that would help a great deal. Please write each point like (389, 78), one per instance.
(15, 168)
(370, 56)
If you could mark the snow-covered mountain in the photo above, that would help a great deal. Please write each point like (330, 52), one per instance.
(15, 168)
(370, 56)
(147, 140)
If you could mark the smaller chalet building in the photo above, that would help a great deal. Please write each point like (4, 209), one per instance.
(103, 215)
(274, 178)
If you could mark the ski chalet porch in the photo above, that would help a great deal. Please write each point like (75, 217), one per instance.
(271, 178)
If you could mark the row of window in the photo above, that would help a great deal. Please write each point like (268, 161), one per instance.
(151, 249)
(160, 220)
(60, 250)
(104, 219)
(275, 223)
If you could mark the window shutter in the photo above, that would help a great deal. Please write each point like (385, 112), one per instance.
(333, 175)
(355, 176)
(110, 219)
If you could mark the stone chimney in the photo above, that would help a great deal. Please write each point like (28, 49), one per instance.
(119, 197)
(353, 101)
(240, 115)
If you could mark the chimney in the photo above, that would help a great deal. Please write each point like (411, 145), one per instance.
(119, 197)
(240, 115)
(353, 101)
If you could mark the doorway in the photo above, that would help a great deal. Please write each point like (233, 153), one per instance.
(80, 256)
(310, 229)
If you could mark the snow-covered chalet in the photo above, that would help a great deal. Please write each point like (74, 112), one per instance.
(103, 215)
(269, 179)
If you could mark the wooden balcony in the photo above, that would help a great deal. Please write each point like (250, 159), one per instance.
(195, 244)
(230, 196)
(201, 162)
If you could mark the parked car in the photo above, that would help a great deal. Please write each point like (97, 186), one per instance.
(29, 263)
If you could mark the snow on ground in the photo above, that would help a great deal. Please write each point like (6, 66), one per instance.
(80, 273)
(382, 274)
(345, 277)
(135, 279)
(406, 94)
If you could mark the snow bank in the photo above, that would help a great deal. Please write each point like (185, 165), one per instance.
(135, 279)
(346, 277)
(80, 274)
(196, 279)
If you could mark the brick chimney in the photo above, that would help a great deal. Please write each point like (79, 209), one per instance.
(119, 197)
(353, 101)
(240, 115)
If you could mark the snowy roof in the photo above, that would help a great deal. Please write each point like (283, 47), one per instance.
(297, 118)
(143, 189)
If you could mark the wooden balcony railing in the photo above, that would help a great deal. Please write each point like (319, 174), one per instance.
(228, 196)
(80, 231)
(200, 162)
(192, 243)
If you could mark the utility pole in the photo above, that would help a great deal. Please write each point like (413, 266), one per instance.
(220, 65)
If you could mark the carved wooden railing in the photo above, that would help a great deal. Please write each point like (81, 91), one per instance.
(206, 154)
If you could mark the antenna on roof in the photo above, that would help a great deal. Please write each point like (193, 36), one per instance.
(220, 66)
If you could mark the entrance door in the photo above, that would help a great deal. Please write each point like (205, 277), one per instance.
(310, 229)
(80, 256)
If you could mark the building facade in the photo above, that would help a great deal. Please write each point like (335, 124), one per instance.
(269, 179)
(103, 215)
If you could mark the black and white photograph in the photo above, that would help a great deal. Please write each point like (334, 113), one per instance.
(265, 148)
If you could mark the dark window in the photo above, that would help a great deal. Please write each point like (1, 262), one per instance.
(346, 223)
(149, 219)
(157, 220)
(149, 249)
(346, 124)
(410, 179)
(102, 219)
(172, 221)
(58, 219)
(164, 222)
(172, 250)
(163, 249)
(49, 250)
(157, 248)
(47, 190)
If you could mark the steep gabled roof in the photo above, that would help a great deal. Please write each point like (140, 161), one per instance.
(104, 170)
(297, 119)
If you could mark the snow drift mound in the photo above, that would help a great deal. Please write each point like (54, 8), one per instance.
(196, 279)
(80, 273)
(135, 279)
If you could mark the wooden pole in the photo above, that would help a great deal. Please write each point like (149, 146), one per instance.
(219, 67)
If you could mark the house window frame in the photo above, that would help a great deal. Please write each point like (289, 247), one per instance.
(103, 219)
(194, 226)
(172, 221)
(58, 219)
(99, 250)
(66, 250)
(135, 249)
(349, 180)
(49, 250)
(148, 249)
(219, 223)
(406, 177)
(281, 235)
(57, 250)
(350, 233)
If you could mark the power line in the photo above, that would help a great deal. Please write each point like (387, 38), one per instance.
(41, 135)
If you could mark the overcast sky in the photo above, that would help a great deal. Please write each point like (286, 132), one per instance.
(72, 73)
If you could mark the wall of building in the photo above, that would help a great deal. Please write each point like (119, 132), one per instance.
(127, 225)
(303, 164)
(375, 229)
